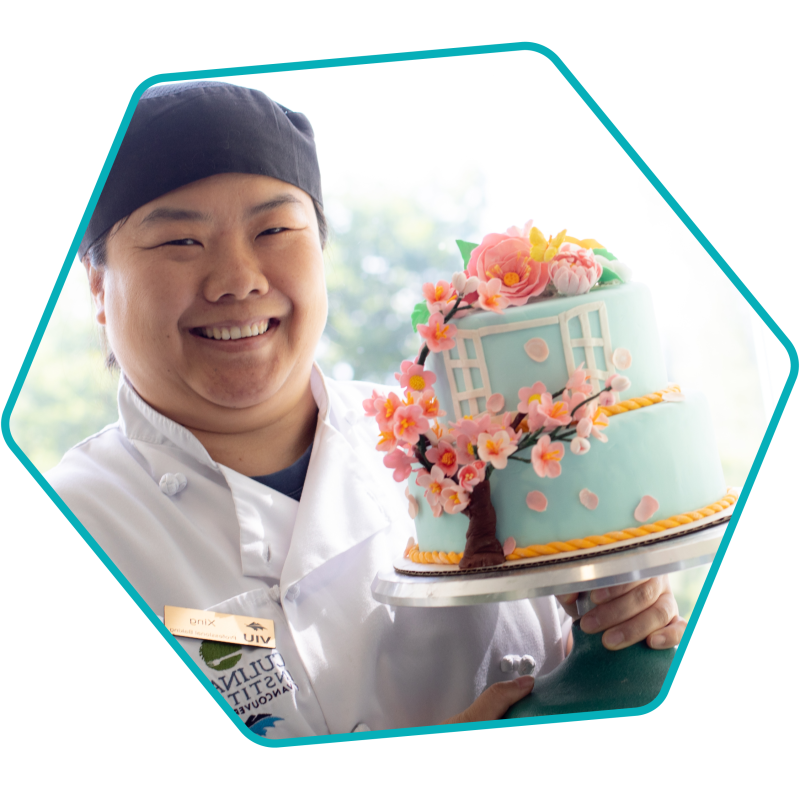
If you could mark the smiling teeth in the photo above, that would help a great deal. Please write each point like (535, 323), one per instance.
(236, 333)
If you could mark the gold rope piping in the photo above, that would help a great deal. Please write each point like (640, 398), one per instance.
(430, 557)
(639, 402)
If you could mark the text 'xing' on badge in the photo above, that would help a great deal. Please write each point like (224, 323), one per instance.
(215, 627)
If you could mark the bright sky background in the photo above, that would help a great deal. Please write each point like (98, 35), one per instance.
(513, 121)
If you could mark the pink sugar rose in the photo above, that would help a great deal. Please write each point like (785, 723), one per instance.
(507, 258)
(546, 458)
(574, 270)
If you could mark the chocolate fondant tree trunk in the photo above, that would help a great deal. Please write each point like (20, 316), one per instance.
(482, 548)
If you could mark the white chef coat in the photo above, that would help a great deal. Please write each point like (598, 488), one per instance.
(224, 542)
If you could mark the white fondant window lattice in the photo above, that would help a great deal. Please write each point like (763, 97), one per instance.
(477, 386)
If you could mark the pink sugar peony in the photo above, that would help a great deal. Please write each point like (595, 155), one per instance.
(574, 270)
(507, 258)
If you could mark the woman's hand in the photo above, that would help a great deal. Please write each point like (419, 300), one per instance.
(630, 613)
(493, 702)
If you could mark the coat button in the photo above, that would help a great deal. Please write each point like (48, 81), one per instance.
(524, 665)
(172, 482)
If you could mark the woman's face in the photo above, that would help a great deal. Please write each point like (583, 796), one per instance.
(213, 300)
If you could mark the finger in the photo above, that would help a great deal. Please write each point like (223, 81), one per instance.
(629, 605)
(655, 618)
(668, 637)
(494, 701)
(569, 603)
(599, 596)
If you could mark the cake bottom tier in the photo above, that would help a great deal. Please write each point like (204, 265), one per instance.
(667, 451)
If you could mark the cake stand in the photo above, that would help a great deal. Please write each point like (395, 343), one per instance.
(591, 678)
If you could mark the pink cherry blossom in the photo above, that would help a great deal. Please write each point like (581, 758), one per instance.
(455, 499)
(387, 441)
(574, 270)
(373, 405)
(400, 462)
(438, 335)
(459, 281)
(579, 446)
(619, 383)
(415, 377)
(490, 298)
(599, 424)
(429, 403)
(546, 458)
(441, 297)
(466, 450)
(434, 482)
(548, 413)
(527, 394)
(409, 423)
(470, 475)
(507, 258)
(385, 414)
(607, 399)
(443, 456)
(496, 448)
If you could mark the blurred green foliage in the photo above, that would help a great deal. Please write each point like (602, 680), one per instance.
(382, 250)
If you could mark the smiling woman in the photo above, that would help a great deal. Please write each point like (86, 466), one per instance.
(239, 479)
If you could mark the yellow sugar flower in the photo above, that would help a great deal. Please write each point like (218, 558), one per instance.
(586, 244)
(544, 249)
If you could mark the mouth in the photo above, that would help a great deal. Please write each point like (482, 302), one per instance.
(225, 333)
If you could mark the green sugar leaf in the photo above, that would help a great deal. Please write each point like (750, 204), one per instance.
(465, 249)
(420, 315)
(609, 275)
(601, 251)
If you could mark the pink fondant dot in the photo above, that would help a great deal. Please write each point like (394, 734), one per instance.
(509, 545)
(413, 507)
(588, 499)
(495, 403)
(536, 501)
(537, 349)
(622, 358)
(647, 507)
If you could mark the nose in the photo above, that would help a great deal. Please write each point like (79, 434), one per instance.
(236, 272)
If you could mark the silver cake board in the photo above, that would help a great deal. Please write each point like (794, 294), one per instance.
(641, 560)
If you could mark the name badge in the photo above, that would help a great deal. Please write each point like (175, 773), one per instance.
(214, 627)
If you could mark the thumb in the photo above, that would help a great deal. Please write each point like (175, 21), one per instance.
(493, 702)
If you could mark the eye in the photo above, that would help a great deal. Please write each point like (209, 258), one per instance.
(181, 242)
(272, 231)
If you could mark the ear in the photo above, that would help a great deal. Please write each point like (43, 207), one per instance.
(97, 288)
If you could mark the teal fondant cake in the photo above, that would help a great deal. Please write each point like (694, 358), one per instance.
(537, 419)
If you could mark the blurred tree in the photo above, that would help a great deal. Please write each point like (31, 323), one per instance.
(382, 250)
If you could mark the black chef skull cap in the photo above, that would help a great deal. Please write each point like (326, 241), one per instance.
(183, 132)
